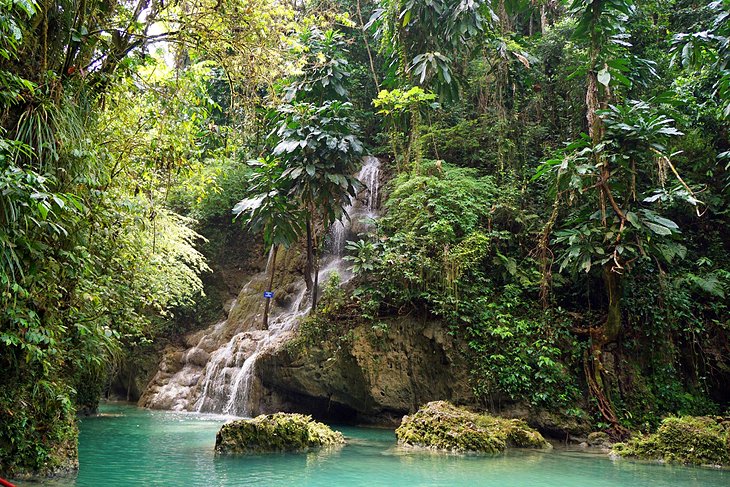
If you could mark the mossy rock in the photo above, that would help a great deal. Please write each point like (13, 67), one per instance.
(275, 432)
(442, 426)
(599, 439)
(698, 440)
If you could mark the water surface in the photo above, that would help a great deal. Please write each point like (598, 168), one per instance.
(126, 445)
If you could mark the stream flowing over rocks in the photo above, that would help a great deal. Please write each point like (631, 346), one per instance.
(235, 367)
(216, 371)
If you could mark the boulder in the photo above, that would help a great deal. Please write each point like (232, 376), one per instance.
(375, 376)
(275, 432)
(697, 440)
(599, 439)
(442, 426)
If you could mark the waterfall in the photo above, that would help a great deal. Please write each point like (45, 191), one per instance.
(370, 177)
(361, 210)
(224, 380)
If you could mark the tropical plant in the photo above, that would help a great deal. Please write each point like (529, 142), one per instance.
(320, 152)
(270, 211)
(608, 176)
(324, 66)
(709, 47)
(363, 257)
(424, 39)
(402, 109)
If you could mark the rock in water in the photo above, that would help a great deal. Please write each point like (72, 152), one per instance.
(698, 440)
(443, 426)
(275, 432)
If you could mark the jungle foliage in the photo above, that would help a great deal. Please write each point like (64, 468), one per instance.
(558, 189)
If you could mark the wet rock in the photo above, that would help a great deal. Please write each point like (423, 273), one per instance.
(275, 432)
(283, 300)
(442, 426)
(375, 377)
(196, 356)
(171, 361)
(698, 440)
(599, 439)
(553, 424)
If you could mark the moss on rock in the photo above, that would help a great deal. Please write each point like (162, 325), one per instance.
(698, 440)
(443, 426)
(275, 432)
(599, 439)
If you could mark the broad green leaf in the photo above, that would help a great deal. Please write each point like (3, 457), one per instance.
(658, 229)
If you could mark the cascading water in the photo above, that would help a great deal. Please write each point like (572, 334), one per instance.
(370, 177)
(361, 211)
(218, 372)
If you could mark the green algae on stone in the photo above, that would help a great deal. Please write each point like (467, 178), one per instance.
(275, 432)
(697, 440)
(443, 426)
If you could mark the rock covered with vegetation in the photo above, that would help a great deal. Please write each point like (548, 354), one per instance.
(698, 440)
(275, 432)
(442, 426)
(599, 439)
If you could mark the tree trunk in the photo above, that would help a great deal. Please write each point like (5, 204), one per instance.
(609, 331)
(612, 327)
(593, 364)
(310, 256)
(272, 267)
(367, 47)
(315, 290)
(543, 19)
(413, 151)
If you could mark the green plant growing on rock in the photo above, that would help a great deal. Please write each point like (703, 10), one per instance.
(363, 256)
(442, 426)
(273, 433)
(697, 440)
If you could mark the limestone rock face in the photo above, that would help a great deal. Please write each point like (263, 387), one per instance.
(376, 377)
(203, 372)
(440, 425)
(698, 440)
(274, 432)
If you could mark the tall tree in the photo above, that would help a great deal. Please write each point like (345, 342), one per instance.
(271, 211)
(317, 139)
(609, 176)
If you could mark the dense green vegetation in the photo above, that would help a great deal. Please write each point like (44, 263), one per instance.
(558, 192)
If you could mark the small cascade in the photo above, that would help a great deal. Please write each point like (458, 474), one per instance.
(338, 234)
(370, 177)
(361, 211)
(229, 374)
(218, 372)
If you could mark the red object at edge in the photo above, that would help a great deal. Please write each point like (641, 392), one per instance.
(5, 483)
